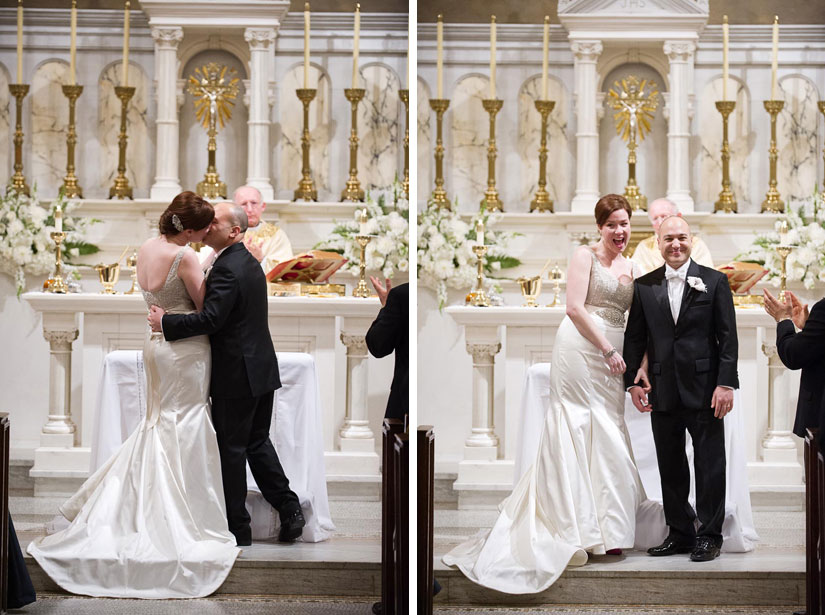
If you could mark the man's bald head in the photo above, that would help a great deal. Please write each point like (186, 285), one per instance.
(660, 209)
(675, 240)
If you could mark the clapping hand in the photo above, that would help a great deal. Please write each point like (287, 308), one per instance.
(799, 311)
(381, 290)
(255, 247)
(778, 310)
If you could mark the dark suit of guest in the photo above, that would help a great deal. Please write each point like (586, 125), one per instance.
(806, 351)
(390, 331)
(688, 359)
(244, 378)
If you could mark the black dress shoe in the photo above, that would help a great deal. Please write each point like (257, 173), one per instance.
(243, 538)
(705, 550)
(291, 526)
(672, 546)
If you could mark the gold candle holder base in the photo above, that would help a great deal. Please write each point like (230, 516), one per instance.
(783, 252)
(530, 290)
(821, 105)
(71, 188)
(479, 298)
(306, 187)
(726, 202)
(542, 202)
(109, 275)
(18, 180)
(131, 264)
(121, 188)
(56, 284)
(773, 203)
(362, 290)
(353, 191)
(405, 98)
(491, 199)
(211, 187)
(439, 195)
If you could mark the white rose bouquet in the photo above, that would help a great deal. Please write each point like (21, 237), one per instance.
(25, 244)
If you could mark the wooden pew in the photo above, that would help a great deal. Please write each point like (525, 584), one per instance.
(4, 512)
(389, 519)
(401, 544)
(814, 513)
(426, 486)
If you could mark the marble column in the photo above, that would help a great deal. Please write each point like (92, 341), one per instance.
(167, 173)
(261, 59)
(483, 442)
(356, 435)
(59, 429)
(586, 54)
(680, 55)
(778, 445)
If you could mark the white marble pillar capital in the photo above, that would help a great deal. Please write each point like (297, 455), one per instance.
(680, 54)
(679, 51)
(167, 174)
(259, 38)
(167, 37)
(256, 97)
(586, 50)
(586, 53)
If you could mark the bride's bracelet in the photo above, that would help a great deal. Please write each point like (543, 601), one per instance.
(609, 353)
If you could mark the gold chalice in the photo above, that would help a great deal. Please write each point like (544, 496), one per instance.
(131, 263)
(530, 289)
(109, 275)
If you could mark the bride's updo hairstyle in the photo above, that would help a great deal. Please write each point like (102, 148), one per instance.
(186, 211)
(607, 205)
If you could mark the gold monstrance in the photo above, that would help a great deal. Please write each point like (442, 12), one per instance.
(634, 111)
(214, 99)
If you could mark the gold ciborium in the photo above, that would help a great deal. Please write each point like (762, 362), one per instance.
(556, 276)
(109, 275)
(131, 263)
(530, 289)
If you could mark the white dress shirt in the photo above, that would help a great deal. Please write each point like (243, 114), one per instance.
(676, 286)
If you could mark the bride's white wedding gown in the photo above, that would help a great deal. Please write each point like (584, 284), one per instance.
(151, 522)
(583, 490)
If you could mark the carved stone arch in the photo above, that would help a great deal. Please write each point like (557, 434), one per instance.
(191, 46)
(426, 141)
(611, 59)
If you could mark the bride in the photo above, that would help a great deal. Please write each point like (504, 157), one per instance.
(151, 522)
(582, 492)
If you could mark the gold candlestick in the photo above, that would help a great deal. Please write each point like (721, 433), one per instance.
(772, 202)
(493, 202)
(131, 263)
(405, 98)
(353, 191)
(783, 252)
(306, 187)
(362, 290)
(56, 283)
(542, 202)
(821, 105)
(121, 188)
(726, 202)
(18, 181)
(478, 297)
(70, 186)
(439, 195)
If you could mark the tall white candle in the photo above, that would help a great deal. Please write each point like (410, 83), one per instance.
(774, 60)
(545, 57)
(306, 45)
(493, 57)
(19, 41)
(439, 58)
(126, 46)
(480, 233)
(363, 223)
(73, 44)
(58, 220)
(355, 46)
(725, 35)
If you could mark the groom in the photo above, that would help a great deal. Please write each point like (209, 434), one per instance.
(244, 374)
(682, 316)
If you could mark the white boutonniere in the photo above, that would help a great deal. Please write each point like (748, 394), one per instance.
(697, 283)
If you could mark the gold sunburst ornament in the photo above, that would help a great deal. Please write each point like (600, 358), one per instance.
(215, 88)
(634, 103)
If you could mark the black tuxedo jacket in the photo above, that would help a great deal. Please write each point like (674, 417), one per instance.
(390, 331)
(806, 350)
(234, 316)
(689, 359)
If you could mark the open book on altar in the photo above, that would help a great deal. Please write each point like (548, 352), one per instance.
(742, 276)
(313, 267)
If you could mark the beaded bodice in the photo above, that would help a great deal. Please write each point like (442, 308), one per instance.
(610, 298)
(172, 296)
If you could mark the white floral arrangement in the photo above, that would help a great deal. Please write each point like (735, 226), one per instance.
(445, 249)
(806, 233)
(388, 223)
(25, 244)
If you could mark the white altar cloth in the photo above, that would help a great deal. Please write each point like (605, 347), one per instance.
(296, 433)
(738, 528)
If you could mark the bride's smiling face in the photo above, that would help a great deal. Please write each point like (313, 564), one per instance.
(615, 232)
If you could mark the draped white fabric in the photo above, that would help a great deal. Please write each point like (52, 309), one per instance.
(296, 434)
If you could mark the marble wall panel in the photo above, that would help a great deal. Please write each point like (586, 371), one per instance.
(466, 155)
(796, 139)
(49, 121)
(7, 119)
(651, 165)
(231, 154)
(708, 182)
(138, 170)
(426, 143)
(291, 119)
(379, 129)
(559, 156)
